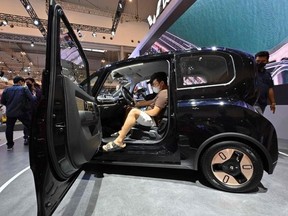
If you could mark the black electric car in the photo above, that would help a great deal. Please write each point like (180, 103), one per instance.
(209, 124)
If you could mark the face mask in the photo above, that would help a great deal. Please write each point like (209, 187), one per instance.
(260, 66)
(156, 89)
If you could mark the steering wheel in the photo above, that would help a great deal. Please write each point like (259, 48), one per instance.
(128, 97)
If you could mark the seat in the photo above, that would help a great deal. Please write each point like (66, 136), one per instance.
(141, 132)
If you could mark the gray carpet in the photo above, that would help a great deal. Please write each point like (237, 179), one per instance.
(141, 192)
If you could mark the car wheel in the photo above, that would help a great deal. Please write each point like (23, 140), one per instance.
(232, 166)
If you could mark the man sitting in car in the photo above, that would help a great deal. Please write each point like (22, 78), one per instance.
(148, 117)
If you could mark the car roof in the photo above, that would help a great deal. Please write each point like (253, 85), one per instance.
(166, 55)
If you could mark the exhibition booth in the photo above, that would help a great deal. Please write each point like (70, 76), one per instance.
(209, 153)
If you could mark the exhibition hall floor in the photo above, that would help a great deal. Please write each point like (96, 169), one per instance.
(139, 191)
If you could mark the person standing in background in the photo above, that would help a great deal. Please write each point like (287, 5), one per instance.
(264, 83)
(15, 98)
(35, 90)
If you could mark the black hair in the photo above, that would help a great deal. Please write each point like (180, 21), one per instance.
(18, 79)
(31, 79)
(159, 76)
(262, 54)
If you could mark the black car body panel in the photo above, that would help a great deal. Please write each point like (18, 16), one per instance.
(211, 96)
(213, 122)
(203, 114)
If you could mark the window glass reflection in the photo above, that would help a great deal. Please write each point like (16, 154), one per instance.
(203, 70)
(72, 63)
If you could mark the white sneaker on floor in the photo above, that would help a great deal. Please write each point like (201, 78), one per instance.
(9, 148)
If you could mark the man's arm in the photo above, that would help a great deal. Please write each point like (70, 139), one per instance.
(29, 94)
(271, 98)
(160, 103)
(143, 103)
(153, 112)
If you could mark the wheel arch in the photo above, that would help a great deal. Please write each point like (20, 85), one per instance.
(253, 143)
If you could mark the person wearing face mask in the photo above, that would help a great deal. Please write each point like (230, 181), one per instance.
(149, 117)
(34, 88)
(264, 83)
(36, 91)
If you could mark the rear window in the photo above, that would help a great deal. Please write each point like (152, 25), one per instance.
(203, 70)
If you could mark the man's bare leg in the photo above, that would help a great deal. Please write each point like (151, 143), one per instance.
(128, 124)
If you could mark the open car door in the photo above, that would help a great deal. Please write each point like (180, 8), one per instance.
(66, 129)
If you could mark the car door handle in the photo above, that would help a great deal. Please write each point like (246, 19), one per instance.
(60, 126)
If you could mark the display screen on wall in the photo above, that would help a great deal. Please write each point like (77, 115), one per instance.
(250, 26)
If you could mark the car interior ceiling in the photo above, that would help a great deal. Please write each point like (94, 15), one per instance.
(114, 115)
(141, 71)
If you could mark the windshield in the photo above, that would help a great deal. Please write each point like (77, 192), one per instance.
(111, 89)
(133, 77)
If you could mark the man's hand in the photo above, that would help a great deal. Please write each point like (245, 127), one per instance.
(153, 112)
(272, 100)
(143, 103)
(273, 107)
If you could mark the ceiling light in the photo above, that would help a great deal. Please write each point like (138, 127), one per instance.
(28, 7)
(120, 5)
(113, 33)
(5, 22)
(94, 50)
(94, 34)
(32, 44)
(36, 22)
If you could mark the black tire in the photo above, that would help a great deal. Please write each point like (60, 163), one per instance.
(232, 166)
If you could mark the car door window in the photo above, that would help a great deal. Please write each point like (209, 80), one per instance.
(204, 70)
(72, 63)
